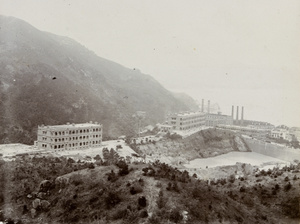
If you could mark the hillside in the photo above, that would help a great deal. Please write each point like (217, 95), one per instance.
(60, 190)
(49, 79)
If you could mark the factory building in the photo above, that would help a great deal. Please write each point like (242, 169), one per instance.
(186, 120)
(212, 119)
(69, 136)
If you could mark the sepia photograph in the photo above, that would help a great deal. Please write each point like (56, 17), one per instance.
(149, 112)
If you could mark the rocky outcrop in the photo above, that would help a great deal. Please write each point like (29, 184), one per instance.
(61, 182)
(203, 144)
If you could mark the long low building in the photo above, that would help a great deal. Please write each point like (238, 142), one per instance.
(69, 136)
(244, 129)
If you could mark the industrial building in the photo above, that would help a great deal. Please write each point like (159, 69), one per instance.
(213, 120)
(69, 136)
(186, 120)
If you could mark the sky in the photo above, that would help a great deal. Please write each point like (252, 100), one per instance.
(234, 52)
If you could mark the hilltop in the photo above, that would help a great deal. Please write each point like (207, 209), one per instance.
(49, 79)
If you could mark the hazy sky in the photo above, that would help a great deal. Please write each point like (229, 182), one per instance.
(232, 52)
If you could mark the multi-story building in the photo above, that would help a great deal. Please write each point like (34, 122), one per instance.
(69, 136)
(186, 120)
(280, 134)
(218, 119)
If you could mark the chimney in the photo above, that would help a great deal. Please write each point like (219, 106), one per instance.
(237, 114)
(232, 112)
(202, 106)
(242, 116)
(208, 107)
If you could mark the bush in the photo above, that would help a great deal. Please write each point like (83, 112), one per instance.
(91, 166)
(136, 189)
(112, 199)
(175, 215)
(143, 214)
(242, 189)
(287, 187)
(112, 176)
(123, 168)
(142, 201)
(232, 178)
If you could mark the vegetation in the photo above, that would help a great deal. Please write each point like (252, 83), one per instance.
(60, 190)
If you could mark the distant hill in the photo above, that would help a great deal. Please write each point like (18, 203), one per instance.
(49, 79)
(188, 101)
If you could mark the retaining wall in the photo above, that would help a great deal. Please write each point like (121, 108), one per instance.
(273, 150)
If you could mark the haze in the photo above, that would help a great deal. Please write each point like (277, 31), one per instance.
(231, 52)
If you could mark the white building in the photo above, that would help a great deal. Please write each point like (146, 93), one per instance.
(69, 136)
(186, 120)
(281, 134)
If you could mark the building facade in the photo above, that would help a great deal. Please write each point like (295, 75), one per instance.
(213, 120)
(281, 134)
(186, 120)
(69, 136)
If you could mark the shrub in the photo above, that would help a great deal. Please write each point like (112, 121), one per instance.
(175, 215)
(143, 214)
(123, 168)
(91, 166)
(112, 176)
(112, 199)
(232, 178)
(135, 189)
(287, 187)
(142, 201)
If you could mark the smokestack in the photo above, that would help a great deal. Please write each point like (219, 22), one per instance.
(202, 107)
(242, 116)
(232, 112)
(208, 107)
(237, 114)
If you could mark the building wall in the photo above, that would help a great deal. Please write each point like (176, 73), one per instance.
(186, 121)
(69, 137)
(218, 119)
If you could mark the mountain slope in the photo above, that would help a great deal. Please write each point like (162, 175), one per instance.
(49, 79)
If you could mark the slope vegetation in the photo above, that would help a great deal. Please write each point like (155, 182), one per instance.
(57, 190)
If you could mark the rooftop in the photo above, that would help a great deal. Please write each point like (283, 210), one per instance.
(189, 113)
(65, 126)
